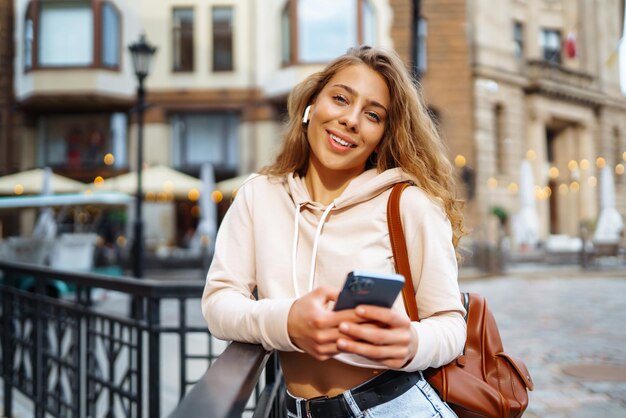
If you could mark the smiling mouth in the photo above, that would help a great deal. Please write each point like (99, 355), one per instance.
(341, 142)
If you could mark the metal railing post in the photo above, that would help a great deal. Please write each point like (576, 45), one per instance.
(39, 369)
(7, 346)
(154, 357)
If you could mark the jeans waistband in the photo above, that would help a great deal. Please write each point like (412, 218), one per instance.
(382, 388)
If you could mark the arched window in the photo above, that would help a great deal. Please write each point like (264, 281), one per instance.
(318, 31)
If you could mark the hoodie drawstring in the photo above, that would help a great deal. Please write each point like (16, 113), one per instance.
(294, 252)
(315, 242)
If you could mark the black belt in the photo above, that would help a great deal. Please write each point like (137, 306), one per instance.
(383, 388)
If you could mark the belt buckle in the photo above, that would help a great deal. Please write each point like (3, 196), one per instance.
(307, 405)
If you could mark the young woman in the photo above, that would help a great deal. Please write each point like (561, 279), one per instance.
(296, 230)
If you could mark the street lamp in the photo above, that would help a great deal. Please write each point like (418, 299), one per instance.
(142, 53)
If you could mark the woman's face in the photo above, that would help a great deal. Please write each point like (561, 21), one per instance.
(347, 121)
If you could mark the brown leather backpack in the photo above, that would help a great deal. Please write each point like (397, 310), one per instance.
(484, 381)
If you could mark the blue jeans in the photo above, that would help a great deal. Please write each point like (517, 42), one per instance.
(420, 401)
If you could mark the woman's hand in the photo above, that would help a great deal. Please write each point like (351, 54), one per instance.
(313, 327)
(382, 334)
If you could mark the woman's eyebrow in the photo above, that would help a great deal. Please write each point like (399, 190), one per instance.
(354, 93)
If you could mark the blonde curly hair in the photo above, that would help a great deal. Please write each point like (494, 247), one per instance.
(410, 141)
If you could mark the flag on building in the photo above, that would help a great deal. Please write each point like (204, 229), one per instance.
(570, 45)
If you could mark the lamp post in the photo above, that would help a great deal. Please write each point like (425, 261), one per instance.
(142, 53)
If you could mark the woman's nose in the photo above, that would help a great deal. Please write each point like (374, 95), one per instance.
(350, 119)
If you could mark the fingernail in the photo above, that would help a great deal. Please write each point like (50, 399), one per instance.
(343, 326)
(360, 310)
(341, 344)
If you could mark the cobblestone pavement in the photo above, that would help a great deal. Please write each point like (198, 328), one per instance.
(570, 329)
(564, 323)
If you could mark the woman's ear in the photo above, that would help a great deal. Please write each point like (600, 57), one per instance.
(305, 118)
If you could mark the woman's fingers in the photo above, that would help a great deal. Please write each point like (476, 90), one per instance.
(313, 328)
(386, 337)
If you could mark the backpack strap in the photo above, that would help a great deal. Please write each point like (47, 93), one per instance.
(398, 247)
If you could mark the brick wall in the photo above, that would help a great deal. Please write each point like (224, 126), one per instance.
(447, 82)
(7, 162)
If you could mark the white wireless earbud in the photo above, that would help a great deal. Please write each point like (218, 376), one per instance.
(305, 118)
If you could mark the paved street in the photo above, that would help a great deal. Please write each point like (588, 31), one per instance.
(568, 326)
(570, 329)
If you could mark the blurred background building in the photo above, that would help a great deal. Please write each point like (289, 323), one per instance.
(506, 81)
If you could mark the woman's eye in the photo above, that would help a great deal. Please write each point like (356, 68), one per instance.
(374, 116)
(340, 98)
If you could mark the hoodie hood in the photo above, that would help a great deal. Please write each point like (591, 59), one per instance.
(368, 184)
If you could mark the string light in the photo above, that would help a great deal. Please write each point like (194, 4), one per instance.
(109, 159)
(459, 161)
(217, 196)
(600, 162)
(592, 181)
(531, 154)
(574, 186)
(18, 189)
(619, 169)
(98, 181)
(584, 164)
(563, 189)
(572, 165)
(513, 188)
(492, 183)
(193, 195)
(553, 172)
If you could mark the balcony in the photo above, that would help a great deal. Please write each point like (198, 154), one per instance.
(555, 80)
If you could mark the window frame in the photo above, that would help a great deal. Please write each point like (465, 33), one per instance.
(181, 142)
(33, 12)
(193, 39)
(518, 39)
(232, 38)
(291, 7)
(554, 58)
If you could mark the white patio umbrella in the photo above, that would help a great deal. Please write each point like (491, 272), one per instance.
(207, 227)
(46, 226)
(32, 182)
(526, 222)
(610, 222)
(155, 179)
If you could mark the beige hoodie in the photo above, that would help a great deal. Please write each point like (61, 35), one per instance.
(276, 239)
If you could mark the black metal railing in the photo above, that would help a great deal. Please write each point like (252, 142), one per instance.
(70, 358)
(226, 387)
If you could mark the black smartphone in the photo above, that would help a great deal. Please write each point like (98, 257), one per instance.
(366, 288)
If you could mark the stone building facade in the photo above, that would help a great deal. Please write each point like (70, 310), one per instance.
(529, 79)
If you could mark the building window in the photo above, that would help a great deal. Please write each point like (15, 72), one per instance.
(29, 37)
(62, 34)
(110, 36)
(82, 141)
(206, 137)
(369, 24)
(421, 54)
(285, 23)
(499, 129)
(223, 38)
(182, 35)
(551, 45)
(324, 29)
(518, 39)
(66, 34)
